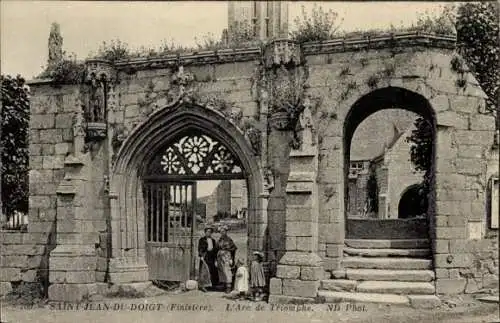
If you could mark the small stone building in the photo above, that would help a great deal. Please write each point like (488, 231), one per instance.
(282, 118)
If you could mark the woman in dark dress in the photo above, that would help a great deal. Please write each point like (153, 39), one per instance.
(207, 251)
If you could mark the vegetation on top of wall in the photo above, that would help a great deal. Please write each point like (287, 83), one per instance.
(66, 71)
(14, 145)
(319, 26)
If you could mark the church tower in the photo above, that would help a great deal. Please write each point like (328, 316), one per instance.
(265, 19)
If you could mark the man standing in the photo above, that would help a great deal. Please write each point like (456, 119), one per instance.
(207, 251)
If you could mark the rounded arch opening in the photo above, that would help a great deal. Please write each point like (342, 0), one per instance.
(412, 203)
(380, 100)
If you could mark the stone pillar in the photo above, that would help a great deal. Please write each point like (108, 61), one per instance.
(72, 263)
(293, 230)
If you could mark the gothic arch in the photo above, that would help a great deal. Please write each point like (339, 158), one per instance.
(127, 220)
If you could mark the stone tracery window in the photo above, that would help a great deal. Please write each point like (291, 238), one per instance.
(195, 154)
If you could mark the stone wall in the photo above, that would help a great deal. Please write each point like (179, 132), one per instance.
(99, 229)
(24, 259)
(401, 173)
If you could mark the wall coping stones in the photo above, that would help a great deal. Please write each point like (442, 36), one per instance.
(336, 45)
(313, 48)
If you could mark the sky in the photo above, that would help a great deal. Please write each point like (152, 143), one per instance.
(25, 25)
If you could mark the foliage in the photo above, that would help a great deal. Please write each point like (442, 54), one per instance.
(14, 144)
(421, 144)
(372, 191)
(320, 25)
(477, 39)
(113, 51)
(66, 71)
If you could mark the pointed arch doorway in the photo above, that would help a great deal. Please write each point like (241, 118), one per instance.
(170, 196)
(156, 170)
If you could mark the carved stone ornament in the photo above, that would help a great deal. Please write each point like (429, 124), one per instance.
(78, 130)
(282, 52)
(99, 69)
(279, 121)
(268, 179)
(182, 87)
(254, 136)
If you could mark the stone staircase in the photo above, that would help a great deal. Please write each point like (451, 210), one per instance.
(383, 271)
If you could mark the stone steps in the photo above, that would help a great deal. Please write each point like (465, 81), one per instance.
(390, 275)
(383, 271)
(386, 263)
(388, 244)
(378, 287)
(416, 301)
(399, 288)
(387, 252)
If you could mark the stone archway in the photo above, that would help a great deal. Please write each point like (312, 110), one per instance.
(127, 263)
(374, 101)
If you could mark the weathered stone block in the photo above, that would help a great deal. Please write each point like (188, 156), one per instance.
(453, 260)
(294, 228)
(48, 149)
(451, 232)
(290, 272)
(42, 202)
(62, 148)
(128, 277)
(53, 162)
(457, 221)
(441, 220)
(442, 273)
(64, 120)
(424, 301)
(452, 119)
(305, 243)
(470, 166)
(10, 274)
(293, 287)
(331, 263)
(470, 137)
(275, 286)
(72, 263)
(51, 136)
(14, 261)
(74, 277)
(334, 250)
(311, 273)
(5, 288)
(482, 122)
(42, 121)
(29, 275)
(441, 246)
(450, 286)
(291, 243)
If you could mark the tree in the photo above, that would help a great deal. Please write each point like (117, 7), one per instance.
(477, 40)
(14, 144)
(477, 27)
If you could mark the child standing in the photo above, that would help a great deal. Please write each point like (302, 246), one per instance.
(241, 280)
(257, 277)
